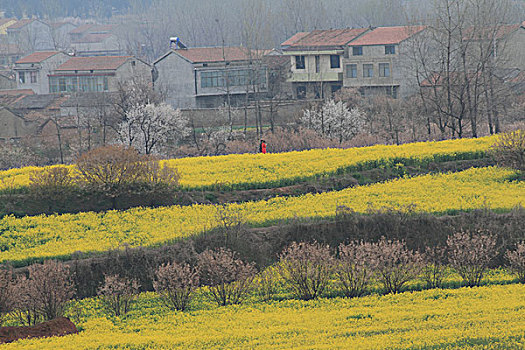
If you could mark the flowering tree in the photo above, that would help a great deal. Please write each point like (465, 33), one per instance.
(335, 120)
(149, 126)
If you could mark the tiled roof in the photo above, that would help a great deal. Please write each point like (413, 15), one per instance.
(16, 92)
(37, 57)
(440, 78)
(93, 63)
(89, 99)
(91, 38)
(387, 35)
(20, 23)
(295, 38)
(56, 25)
(215, 54)
(328, 38)
(82, 28)
(35, 101)
(101, 28)
(489, 33)
(6, 20)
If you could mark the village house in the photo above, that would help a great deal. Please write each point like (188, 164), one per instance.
(4, 23)
(207, 77)
(316, 60)
(60, 34)
(506, 43)
(32, 71)
(97, 74)
(376, 62)
(25, 115)
(7, 80)
(30, 35)
(9, 54)
(95, 40)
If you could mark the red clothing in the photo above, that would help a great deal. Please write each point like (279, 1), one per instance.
(263, 148)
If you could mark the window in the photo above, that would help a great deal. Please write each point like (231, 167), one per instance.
(21, 77)
(61, 84)
(335, 62)
(392, 91)
(390, 49)
(317, 91)
(317, 64)
(351, 70)
(299, 62)
(78, 83)
(301, 92)
(334, 88)
(33, 77)
(368, 70)
(357, 50)
(233, 77)
(384, 69)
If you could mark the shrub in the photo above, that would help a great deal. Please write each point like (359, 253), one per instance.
(52, 288)
(176, 283)
(231, 221)
(395, 264)
(355, 267)
(50, 186)
(470, 255)
(266, 283)
(24, 306)
(229, 279)
(110, 166)
(157, 174)
(306, 267)
(44, 294)
(114, 170)
(118, 294)
(51, 179)
(509, 150)
(6, 281)
(435, 266)
(516, 259)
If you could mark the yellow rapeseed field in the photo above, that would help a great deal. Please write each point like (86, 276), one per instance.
(61, 235)
(258, 170)
(469, 318)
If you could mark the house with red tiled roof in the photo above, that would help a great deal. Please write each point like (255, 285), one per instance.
(507, 43)
(4, 23)
(207, 77)
(96, 40)
(60, 34)
(9, 54)
(375, 62)
(97, 73)
(30, 35)
(316, 60)
(27, 116)
(32, 71)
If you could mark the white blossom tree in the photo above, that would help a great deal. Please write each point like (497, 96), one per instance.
(335, 120)
(147, 127)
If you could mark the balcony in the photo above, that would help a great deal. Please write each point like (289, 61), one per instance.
(315, 77)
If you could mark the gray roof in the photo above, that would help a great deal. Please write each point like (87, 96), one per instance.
(34, 102)
(89, 99)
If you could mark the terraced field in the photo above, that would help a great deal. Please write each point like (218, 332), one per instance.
(60, 235)
(488, 317)
(247, 171)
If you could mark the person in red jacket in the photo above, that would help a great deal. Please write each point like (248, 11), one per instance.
(262, 146)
